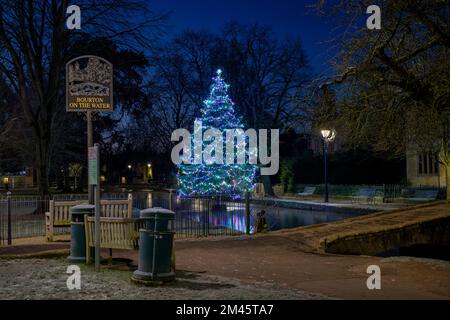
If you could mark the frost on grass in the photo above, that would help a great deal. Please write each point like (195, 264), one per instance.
(46, 279)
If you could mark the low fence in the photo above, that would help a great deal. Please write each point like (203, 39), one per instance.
(199, 216)
(21, 217)
(203, 217)
(84, 196)
(389, 192)
(24, 216)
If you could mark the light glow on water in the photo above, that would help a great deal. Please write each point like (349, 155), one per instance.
(216, 214)
(232, 220)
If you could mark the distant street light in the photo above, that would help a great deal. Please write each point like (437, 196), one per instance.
(149, 172)
(129, 167)
(328, 136)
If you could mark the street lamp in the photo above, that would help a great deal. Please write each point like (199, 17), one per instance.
(328, 136)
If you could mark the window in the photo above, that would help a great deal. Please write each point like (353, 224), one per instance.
(428, 163)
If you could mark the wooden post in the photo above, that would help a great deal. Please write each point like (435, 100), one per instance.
(90, 143)
(97, 212)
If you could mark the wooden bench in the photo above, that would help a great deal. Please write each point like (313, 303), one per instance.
(423, 195)
(308, 191)
(366, 194)
(115, 233)
(58, 215)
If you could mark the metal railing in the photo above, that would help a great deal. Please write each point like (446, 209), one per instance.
(395, 191)
(198, 216)
(84, 196)
(389, 192)
(204, 217)
(24, 216)
(21, 217)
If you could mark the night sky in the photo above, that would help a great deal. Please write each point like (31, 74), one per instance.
(286, 17)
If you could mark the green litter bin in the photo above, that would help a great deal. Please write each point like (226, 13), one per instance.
(155, 246)
(77, 231)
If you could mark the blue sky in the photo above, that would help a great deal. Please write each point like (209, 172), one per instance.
(289, 18)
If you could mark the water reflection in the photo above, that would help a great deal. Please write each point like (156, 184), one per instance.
(231, 215)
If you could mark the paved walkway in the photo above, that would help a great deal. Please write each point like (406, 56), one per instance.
(292, 260)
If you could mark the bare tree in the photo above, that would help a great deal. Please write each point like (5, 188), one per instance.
(180, 75)
(394, 83)
(268, 79)
(34, 46)
(269, 76)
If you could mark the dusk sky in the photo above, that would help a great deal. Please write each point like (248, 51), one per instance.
(290, 18)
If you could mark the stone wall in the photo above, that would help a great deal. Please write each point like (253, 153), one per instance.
(372, 243)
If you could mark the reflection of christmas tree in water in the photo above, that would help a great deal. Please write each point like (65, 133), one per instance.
(218, 179)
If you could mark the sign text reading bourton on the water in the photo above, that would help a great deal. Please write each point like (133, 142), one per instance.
(89, 84)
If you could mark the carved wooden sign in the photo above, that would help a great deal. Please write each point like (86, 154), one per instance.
(89, 84)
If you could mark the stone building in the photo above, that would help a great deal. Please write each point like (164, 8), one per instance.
(423, 169)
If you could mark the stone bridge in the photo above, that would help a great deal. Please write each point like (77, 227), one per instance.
(429, 224)
(380, 232)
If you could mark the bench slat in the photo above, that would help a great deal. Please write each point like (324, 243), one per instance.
(59, 212)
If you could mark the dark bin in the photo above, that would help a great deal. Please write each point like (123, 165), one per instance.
(77, 231)
(155, 246)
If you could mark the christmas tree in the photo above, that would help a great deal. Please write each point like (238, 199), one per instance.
(212, 179)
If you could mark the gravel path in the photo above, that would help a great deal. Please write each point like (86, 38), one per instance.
(46, 279)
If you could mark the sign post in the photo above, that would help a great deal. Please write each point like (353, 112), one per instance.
(94, 181)
(89, 88)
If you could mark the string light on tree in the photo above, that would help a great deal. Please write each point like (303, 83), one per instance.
(213, 178)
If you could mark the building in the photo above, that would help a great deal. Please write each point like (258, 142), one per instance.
(424, 169)
(17, 180)
(137, 173)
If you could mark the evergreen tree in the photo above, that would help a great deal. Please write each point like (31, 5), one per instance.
(215, 178)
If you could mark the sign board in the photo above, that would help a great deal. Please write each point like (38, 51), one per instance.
(89, 84)
(93, 166)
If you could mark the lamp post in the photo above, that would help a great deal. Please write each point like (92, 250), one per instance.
(149, 172)
(129, 174)
(328, 136)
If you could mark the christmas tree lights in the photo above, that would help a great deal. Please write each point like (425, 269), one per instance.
(218, 175)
